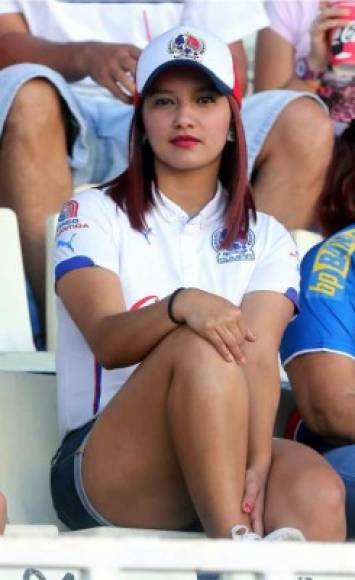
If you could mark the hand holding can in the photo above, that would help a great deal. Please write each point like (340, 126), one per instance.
(342, 41)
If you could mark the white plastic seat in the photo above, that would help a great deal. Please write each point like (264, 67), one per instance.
(28, 439)
(305, 240)
(51, 309)
(15, 325)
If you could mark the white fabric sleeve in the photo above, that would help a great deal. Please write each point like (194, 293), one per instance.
(284, 18)
(277, 267)
(9, 6)
(87, 234)
(231, 20)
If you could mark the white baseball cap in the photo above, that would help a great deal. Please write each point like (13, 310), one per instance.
(185, 45)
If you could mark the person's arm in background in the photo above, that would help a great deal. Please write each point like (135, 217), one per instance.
(274, 64)
(240, 63)
(106, 63)
(275, 50)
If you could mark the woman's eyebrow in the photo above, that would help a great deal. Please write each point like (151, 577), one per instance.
(159, 91)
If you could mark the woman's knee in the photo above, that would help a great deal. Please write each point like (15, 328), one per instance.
(189, 348)
(37, 106)
(196, 358)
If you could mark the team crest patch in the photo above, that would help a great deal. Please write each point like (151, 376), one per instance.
(241, 250)
(186, 45)
(70, 210)
(68, 219)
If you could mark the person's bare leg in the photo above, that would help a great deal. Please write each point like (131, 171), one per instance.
(172, 444)
(35, 178)
(304, 492)
(290, 170)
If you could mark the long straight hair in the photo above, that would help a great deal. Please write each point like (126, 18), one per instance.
(336, 206)
(132, 190)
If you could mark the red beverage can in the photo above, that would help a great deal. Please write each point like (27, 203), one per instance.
(342, 42)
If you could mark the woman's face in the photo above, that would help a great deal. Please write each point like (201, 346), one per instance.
(186, 121)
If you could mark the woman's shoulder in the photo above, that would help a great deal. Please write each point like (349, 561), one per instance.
(93, 196)
(268, 225)
(93, 201)
(272, 237)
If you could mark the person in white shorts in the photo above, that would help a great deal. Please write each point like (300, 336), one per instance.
(173, 294)
(66, 96)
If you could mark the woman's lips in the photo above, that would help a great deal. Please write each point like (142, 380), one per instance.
(185, 141)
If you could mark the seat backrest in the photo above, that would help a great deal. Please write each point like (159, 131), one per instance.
(28, 440)
(51, 308)
(305, 240)
(15, 325)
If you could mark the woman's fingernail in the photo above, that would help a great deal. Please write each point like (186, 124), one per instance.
(248, 508)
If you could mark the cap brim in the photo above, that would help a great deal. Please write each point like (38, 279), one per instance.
(219, 85)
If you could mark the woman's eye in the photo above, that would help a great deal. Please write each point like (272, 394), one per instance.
(162, 101)
(204, 99)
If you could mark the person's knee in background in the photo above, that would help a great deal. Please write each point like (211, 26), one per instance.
(290, 171)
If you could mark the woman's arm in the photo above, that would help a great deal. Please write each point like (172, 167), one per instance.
(94, 299)
(267, 313)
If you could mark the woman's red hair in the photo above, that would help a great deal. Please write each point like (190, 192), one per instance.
(336, 206)
(132, 190)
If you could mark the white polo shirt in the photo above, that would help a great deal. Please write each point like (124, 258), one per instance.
(175, 250)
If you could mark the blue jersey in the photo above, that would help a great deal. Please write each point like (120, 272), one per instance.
(327, 302)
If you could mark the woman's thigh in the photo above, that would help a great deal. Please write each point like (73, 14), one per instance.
(130, 471)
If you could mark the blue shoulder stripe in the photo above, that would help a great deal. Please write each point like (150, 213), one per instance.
(72, 264)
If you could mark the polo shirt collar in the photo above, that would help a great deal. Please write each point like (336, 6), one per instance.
(172, 212)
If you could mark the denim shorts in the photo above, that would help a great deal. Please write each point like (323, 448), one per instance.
(99, 125)
(69, 498)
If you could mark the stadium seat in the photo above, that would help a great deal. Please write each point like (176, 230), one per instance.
(28, 439)
(51, 311)
(305, 240)
(15, 327)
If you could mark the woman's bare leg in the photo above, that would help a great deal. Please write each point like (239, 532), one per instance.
(304, 492)
(172, 444)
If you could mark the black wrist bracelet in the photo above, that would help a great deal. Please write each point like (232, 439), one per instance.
(171, 304)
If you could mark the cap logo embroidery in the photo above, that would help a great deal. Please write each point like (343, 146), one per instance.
(186, 45)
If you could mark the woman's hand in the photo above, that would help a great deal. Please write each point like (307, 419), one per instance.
(254, 498)
(330, 16)
(216, 319)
